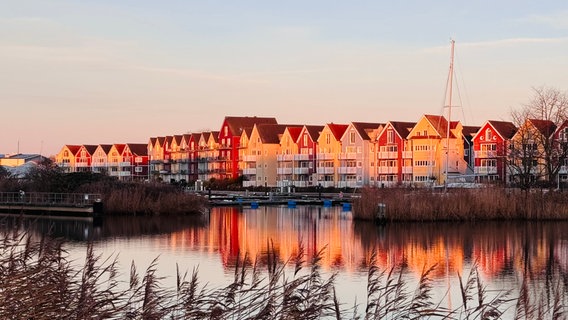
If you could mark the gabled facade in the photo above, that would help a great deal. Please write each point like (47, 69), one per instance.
(438, 156)
(135, 159)
(561, 141)
(100, 158)
(357, 154)
(208, 156)
(67, 157)
(229, 141)
(288, 172)
(394, 156)
(264, 144)
(329, 148)
(306, 163)
(527, 151)
(83, 158)
(117, 166)
(490, 148)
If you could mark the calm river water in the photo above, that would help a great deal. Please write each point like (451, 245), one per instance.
(505, 253)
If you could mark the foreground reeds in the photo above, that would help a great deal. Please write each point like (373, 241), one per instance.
(38, 281)
(461, 204)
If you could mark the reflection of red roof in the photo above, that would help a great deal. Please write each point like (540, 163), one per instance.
(337, 130)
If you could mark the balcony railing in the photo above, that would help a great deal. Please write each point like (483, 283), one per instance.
(326, 170)
(347, 170)
(387, 155)
(249, 171)
(301, 157)
(284, 157)
(486, 154)
(301, 170)
(486, 170)
(249, 158)
(348, 156)
(388, 170)
(284, 171)
(326, 156)
(407, 154)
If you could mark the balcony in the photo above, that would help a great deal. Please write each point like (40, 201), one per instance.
(347, 170)
(81, 164)
(284, 171)
(325, 156)
(301, 170)
(326, 170)
(387, 155)
(249, 171)
(249, 158)
(407, 154)
(388, 170)
(486, 154)
(327, 184)
(486, 170)
(285, 157)
(348, 156)
(406, 170)
(249, 184)
(301, 157)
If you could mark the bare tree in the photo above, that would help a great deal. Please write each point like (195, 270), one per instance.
(536, 152)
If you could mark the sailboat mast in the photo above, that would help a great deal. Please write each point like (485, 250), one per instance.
(451, 80)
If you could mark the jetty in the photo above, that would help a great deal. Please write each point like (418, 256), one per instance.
(52, 205)
(255, 199)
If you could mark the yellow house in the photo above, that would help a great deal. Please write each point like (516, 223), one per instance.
(262, 149)
(438, 157)
(329, 149)
(67, 157)
(288, 157)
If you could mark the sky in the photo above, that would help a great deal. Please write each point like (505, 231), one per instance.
(102, 71)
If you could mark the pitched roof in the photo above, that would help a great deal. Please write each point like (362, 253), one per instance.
(504, 128)
(270, 133)
(73, 148)
(238, 124)
(337, 129)
(177, 139)
(106, 147)
(470, 131)
(91, 148)
(402, 128)
(119, 147)
(294, 133)
(545, 127)
(314, 131)
(138, 149)
(363, 128)
(440, 124)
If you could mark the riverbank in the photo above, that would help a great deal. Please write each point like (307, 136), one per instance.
(461, 204)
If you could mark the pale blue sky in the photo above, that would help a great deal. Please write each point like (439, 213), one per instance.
(90, 72)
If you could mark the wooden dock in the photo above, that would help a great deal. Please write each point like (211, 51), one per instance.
(56, 205)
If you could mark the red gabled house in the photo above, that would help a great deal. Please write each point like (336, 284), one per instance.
(136, 154)
(394, 154)
(490, 145)
(229, 141)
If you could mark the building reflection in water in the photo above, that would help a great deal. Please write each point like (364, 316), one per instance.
(498, 248)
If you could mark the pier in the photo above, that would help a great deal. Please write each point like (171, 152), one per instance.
(53, 205)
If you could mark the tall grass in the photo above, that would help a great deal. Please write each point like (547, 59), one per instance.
(461, 205)
(145, 199)
(38, 281)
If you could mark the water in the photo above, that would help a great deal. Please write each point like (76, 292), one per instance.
(505, 253)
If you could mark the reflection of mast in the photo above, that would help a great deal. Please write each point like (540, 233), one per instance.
(449, 106)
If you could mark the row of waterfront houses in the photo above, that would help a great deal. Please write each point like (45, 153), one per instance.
(262, 152)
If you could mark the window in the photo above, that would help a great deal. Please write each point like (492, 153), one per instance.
(351, 137)
(226, 131)
(390, 136)
(488, 135)
(305, 139)
(328, 138)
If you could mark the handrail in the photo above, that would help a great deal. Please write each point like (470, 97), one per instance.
(48, 198)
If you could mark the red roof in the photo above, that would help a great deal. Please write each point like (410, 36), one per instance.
(504, 128)
(238, 124)
(545, 127)
(138, 149)
(440, 124)
(337, 130)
